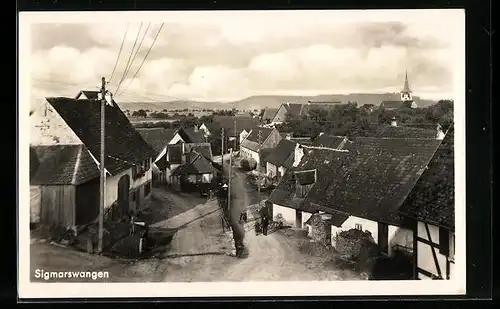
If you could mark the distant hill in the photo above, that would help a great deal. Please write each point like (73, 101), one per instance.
(273, 101)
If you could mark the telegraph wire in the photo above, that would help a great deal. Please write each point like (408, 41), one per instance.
(137, 50)
(119, 53)
(129, 58)
(145, 57)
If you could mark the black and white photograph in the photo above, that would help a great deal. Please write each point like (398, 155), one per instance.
(245, 153)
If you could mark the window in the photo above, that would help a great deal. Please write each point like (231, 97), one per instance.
(444, 241)
(358, 226)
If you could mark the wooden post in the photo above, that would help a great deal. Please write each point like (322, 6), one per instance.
(235, 135)
(229, 180)
(102, 169)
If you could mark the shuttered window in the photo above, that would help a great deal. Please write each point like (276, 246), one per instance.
(444, 241)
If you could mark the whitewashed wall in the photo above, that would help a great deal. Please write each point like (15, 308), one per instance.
(270, 170)
(176, 139)
(112, 184)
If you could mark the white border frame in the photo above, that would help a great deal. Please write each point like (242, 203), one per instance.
(28, 289)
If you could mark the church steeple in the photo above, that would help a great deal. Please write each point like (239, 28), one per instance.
(406, 92)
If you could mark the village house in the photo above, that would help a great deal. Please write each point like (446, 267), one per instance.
(396, 131)
(281, 158)
(330, 141)
(160, 139)
(431, 208)
(310, 165)
(236, 127)
(197, 170)
(74, 126)
(369, 187)
(257, 140)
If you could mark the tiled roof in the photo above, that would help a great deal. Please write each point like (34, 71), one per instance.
(337, 218)
(174, 154)
(329, 141)
(242, 123)
(432, 199)
(205, 149)
(404, 132)
(306, 177)
(293, 108)
(251, 141)
(325, 161)
(198, 164)
(192, 135)
(269, 114)
(281, 152)
(375, 178)
(157, 138)
(61, 165)
(124, 146)
(162, 162)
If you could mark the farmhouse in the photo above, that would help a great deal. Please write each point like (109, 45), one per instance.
(196, 172)
(310, 166)
(370, 186)
(281, 158)
(127, 161)
(431, 208)
(236, 127)
(257, 140)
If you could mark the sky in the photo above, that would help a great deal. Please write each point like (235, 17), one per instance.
(228, 57)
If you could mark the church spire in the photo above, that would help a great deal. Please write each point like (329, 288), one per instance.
(406, 87)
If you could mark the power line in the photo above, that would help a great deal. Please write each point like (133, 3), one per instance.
(137, 50)
(129, 58)
(145, 57)
(119, 53)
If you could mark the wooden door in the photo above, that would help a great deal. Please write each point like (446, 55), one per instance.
(123, 195)
(383, 237)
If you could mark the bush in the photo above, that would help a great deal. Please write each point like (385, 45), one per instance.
(248, 164)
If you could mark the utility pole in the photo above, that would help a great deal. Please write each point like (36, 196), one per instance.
(259, 136)
(222, 152)
(235, 135)
(102, 168)
(229, 179)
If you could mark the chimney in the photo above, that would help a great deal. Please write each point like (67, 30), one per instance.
(440, 134)
(299, 153)
(288, 136)
(394, 123)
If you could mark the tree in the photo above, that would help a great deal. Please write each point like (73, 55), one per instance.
(140, 113)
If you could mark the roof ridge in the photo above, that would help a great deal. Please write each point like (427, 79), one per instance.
(325, 148)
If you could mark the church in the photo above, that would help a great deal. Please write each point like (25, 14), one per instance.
(406, 98)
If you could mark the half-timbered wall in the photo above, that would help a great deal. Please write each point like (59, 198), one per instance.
(435, 257)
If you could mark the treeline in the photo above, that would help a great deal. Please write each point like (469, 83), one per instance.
(351, 120)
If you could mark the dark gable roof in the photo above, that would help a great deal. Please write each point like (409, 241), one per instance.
(405, 132)
(205, 149)
(91, 95)
(432, 199)
(293, 108)
(61, 165)
(391, 104)
(242, 123)
(329, 141)
(269, 113)
(124, 146)
(281, 152)
(325, 161)
(252, 140)
(306, 177)
(198, 164)
(375, 178)
(175, 153)
(157, 138)
(192, 135)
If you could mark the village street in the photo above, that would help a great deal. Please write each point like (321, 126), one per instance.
(200, 251)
